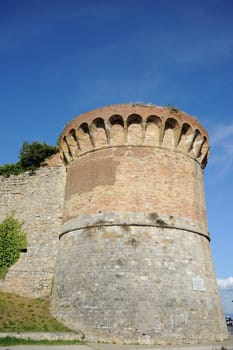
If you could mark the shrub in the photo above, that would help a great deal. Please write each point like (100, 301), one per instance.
(31, 156)
(10, 169)
(12, 241)
(174, 109)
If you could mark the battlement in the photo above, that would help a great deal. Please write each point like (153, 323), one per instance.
(135, 125)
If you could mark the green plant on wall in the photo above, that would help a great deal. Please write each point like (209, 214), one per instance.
(12, 241)
(174, 109)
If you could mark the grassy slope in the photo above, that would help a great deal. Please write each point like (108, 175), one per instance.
(19, 314)
(9, 341)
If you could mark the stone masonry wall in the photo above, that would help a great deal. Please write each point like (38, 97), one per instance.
(136, 284)
(37, 200)
(134, 262)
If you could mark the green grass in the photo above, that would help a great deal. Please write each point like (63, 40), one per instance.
(8, 341)
(19, 314)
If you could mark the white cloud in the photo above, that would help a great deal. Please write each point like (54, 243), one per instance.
(225, 283)
(222, 133)
(221, 142)
(206, 50)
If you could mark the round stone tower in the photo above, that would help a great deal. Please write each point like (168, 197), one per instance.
(134, 264)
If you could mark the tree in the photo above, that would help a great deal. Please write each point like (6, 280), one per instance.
(10, 169)
(12, 241)
(33, 154)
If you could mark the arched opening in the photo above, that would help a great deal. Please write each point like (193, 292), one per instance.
(84, 128)
(116, 120)
(153, 128)
(73, 134)
(185, 139)
(171, 123)
(84, 139)
(203, 149)
(72, 141)
(117, 136)
(197, 143)
(169, 138)
(134, 127)
(99, 132)
(98, 123)
(134, 119)
(67, 146)
(153, 119)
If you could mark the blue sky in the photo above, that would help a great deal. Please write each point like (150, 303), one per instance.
(59, 58)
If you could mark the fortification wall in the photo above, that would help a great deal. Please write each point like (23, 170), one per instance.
(37, 200)
(138, 284)
(134, 262)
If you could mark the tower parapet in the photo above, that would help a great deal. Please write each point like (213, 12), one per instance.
(134, 263)
(135, 125)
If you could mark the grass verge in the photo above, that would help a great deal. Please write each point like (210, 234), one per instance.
(19, 314)
(8, 341)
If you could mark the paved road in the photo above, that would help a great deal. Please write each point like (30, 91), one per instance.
(228, 345)
(119, 347)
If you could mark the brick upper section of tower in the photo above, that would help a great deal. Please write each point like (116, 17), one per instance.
(135, 125)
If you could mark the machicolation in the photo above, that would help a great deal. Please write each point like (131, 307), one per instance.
(122, 227)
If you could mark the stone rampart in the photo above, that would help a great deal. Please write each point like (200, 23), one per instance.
(37, 199)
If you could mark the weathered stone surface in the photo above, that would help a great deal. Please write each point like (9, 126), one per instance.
(37, 200)
(134, 262)
(135, 285)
